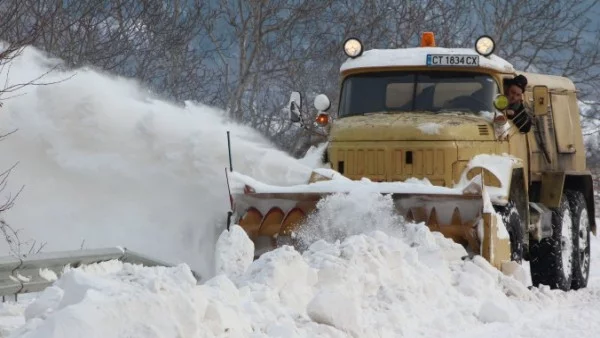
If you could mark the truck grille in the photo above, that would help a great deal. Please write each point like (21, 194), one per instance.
(358, 163)
(392, 164)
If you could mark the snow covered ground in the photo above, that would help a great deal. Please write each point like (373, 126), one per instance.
(402, 281)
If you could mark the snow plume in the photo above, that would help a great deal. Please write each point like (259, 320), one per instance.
(314, 156)
(104, 163)
(368, 285)
(340, 215)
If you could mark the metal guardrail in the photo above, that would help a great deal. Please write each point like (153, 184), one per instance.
(23, 275)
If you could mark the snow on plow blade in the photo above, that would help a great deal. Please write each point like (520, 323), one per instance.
(267, 212)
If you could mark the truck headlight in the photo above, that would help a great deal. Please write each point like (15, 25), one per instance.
(485, 45)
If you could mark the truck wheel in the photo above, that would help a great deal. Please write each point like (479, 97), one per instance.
(512, 220)
(581, 225)
(552, 258)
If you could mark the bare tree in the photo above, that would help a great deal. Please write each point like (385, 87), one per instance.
(16, 245)
(247, 56)
(16, 37)
(553, 37)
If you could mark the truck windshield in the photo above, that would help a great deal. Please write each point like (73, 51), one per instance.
(429, 91)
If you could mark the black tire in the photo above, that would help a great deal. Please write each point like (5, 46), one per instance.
(581, 225)
(512, 220)
(552, 258)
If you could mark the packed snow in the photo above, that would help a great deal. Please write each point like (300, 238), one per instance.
(382, 279)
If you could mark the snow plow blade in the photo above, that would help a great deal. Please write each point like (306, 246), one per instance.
(268, 213)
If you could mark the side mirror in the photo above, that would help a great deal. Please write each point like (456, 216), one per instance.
(295, 105)
(322, 103)
(540, 100)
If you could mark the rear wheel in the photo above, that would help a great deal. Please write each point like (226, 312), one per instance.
(552, 258)
(512, 221)
(581, 225)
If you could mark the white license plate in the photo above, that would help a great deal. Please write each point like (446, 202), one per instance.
(452, 60)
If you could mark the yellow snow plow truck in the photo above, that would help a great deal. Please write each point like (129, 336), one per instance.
(501, 153)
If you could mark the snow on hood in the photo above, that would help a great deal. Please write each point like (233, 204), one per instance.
(430, 128)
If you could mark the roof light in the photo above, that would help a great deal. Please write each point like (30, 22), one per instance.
(428, 39)
(485, 45)
(353, 47)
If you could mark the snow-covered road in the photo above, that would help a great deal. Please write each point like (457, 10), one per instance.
(572, 314)
(559, 314)
(405, 283)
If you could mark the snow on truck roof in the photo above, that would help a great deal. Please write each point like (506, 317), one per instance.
(418, 56)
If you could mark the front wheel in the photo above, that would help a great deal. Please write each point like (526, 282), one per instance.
(512, 221)
(553, 258)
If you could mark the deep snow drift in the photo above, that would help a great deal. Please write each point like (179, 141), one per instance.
(105, 164)
(386, 282)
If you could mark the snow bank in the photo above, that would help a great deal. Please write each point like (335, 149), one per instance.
(391, 280)
(234, 252)
(105, 163)
(382, 282)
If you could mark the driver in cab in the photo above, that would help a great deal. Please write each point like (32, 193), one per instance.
(516, 110)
